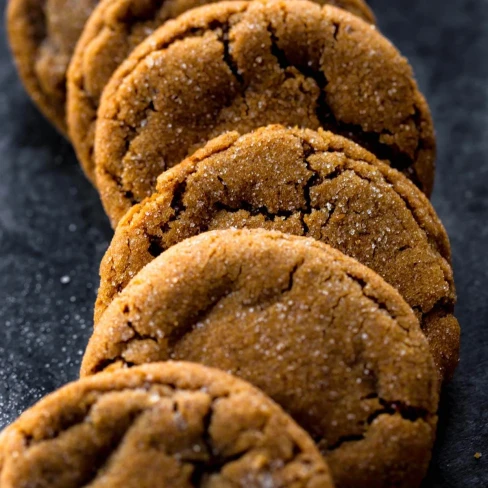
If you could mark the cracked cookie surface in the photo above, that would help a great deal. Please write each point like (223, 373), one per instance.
(321, 334)
(43, 36)
(166, 425)
(242, 65)
(112, 32)
(305, 183)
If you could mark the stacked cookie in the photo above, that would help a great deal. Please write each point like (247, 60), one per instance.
(265, 166)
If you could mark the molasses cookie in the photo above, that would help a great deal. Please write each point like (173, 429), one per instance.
(242, 65)
(164, 425)
(115, 28)
(318, 332)
(305, 183)
(43, 36)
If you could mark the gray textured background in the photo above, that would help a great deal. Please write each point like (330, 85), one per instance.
(53, 232)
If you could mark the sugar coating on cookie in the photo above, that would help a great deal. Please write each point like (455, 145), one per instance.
(114, 29)
(321, 334)
(242, 65)
(43, 36)
(165, 425)
(305, 183)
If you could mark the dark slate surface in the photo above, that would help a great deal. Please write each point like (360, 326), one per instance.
(53, 232)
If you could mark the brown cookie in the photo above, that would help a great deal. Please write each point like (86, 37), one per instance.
(115, 28)
(165, 425)
(321, 334)
(43, 36)
(242, 65)
(305, 183)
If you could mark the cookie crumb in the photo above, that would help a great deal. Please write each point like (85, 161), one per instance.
(477, 455)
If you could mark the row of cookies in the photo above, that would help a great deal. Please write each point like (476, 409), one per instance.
(177, 283)
(321, 334)
(230, 66)
(44, 34)
(325, 337)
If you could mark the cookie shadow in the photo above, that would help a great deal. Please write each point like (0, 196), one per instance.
(436, 475)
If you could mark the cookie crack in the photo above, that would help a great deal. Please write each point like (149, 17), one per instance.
(408, 413)
(281, 58)
(346, 439)
(137, 336)
(442, 307)
(102, 364)
(411, 172)
(104, 458)
(206, 469)
(397, 158)
(81, 417)
(314, 180)
(371, 141)
(382, 306)
(118, 181)
(72, 421)
(179, 332)
(291, 275)
(278, 53)
(156, 242)
(223, 36)
(177, 203)
(202, 470)
(430, 239)
(253, 211)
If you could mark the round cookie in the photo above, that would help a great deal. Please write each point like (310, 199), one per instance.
(112, 32)
(43, 36)
(304, 183)
(321, 334)
(242, 65)
(166, 425)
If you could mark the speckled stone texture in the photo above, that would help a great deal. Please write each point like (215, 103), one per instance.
(52, 225)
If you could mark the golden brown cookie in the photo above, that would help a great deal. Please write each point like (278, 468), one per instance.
(160, 425)
(43, 36)
(242, 65)
(305, 183)
(115, 28)
(324, 336)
